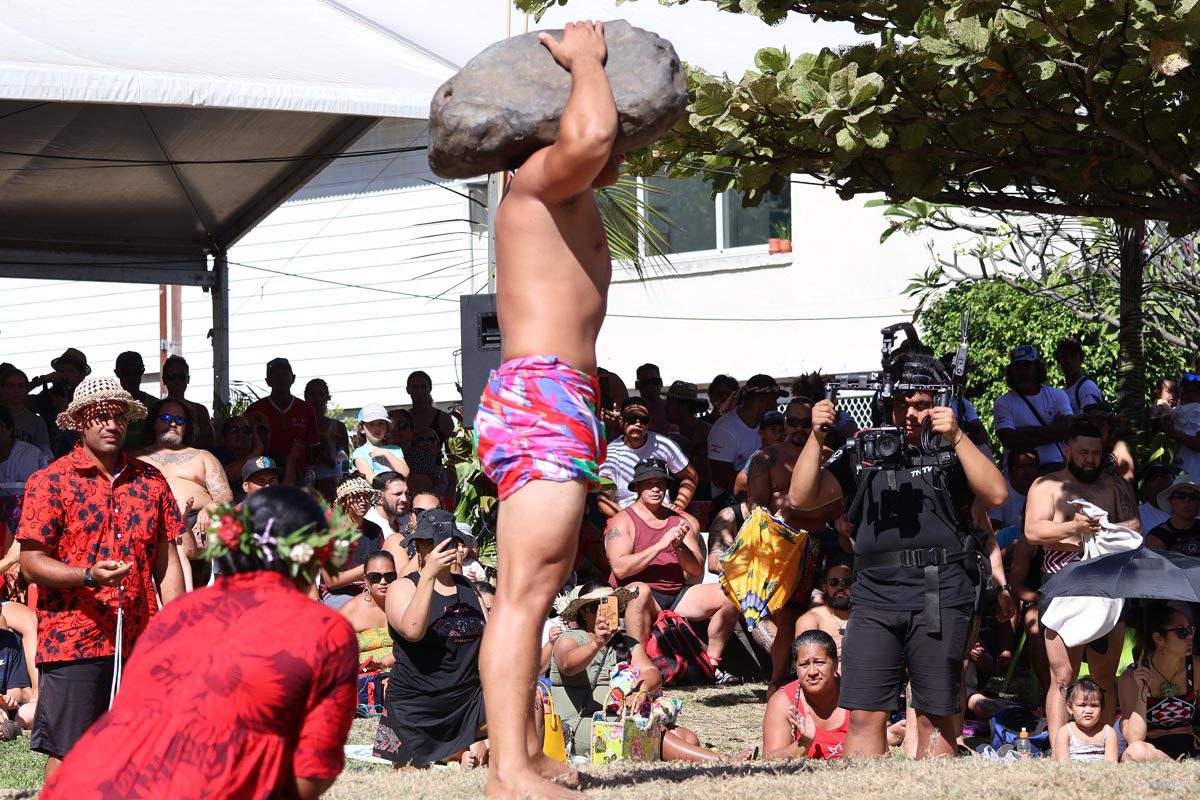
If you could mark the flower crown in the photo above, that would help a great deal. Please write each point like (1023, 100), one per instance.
(230, 531)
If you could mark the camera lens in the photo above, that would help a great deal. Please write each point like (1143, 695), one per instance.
(887, 446)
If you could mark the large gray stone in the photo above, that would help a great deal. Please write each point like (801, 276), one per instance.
(506, 102)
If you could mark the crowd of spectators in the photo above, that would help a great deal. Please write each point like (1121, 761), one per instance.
(683, 473)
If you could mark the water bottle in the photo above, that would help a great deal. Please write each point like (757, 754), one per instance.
(1024, 749)
(310, 477)
(342, 461)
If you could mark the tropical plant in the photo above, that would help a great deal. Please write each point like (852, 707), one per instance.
(477, 503)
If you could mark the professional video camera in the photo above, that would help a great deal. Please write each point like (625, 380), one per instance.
(882, 447)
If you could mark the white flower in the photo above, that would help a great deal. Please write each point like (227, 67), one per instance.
(341, 547)
(302, 553)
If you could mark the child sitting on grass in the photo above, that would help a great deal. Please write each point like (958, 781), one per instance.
(1085, 737)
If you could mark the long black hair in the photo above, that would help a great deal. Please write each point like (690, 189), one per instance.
(815, 638)
(275, 511)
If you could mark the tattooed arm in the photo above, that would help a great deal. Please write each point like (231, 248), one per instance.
(1126, 506)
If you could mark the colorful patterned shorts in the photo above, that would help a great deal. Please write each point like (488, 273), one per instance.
(537, 421)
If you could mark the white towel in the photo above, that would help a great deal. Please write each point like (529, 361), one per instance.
(1079, 620)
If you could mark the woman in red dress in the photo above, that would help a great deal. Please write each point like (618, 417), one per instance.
(242, 689)
(803, 719)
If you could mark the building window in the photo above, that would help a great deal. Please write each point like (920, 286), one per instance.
(700, 223)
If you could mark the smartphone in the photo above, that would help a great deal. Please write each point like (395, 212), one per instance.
(609, 611)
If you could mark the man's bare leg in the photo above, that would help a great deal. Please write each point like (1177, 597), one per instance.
(937, 735)
(867, 737)
(536, 538)
(1064, 666)
(1103, 670)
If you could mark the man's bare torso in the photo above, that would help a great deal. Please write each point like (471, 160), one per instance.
(1105, 493)
(552, 275)
(823, 618)
(191, 473)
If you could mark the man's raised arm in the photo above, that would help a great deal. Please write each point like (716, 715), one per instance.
(588, 126)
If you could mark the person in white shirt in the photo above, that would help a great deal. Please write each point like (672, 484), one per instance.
(1183, 424)
(1032, 414)
(636, 444)
(734, 437)
(18, 460)
(1155, 479)
(1081, 390)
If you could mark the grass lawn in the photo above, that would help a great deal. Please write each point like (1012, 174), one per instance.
(730, 719)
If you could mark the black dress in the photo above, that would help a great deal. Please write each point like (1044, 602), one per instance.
(434, 701)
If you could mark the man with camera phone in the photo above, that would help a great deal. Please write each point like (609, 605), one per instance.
(919, 567)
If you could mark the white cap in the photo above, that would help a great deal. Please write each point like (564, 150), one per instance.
(372, 412)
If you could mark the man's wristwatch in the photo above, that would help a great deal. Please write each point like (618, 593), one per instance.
(1006, 587)
(88, 580)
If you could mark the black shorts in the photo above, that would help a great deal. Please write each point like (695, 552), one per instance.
(668, 602)
(883, 648)
(71, 696)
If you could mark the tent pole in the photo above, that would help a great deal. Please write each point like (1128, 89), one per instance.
(220, 331)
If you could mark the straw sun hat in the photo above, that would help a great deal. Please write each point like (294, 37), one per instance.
(356, 485)
(93, 391)
(571, 606)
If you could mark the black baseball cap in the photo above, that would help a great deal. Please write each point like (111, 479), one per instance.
(763, 384)
(771, 418)
(648, 469)
(260, 464)
(278, 362)
(437, 525)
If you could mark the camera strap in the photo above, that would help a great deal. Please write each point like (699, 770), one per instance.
(1041, 421)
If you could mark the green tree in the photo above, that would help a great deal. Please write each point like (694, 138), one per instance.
(1071, 108)
(1004, 315)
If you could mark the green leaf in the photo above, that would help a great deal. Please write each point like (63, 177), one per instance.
(865, 89)
(770, 59)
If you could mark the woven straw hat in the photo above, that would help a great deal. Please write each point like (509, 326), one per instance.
(572, 609)
(96, 390)
(356, 485)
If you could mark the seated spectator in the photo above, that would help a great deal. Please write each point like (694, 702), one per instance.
(176, 375)
(434, 698)
(637, 444)
(803, 719)
(1023, 468)
(771, 429)
(1183, 424)
(1032, 414)
(1164, 401)
(655, 550)
(1086, 737)
(428, 470)
(249, 678)
(468, 555)
(1081, 390)
(18, 460)
(367, 615)
(392, 513)
(333, 438)
(402, 429)
(69, 370)
(649, 384)
(17, 702)
(683, 407)
(1158, 692)
(377, 454)
(1155, 478)
(582, 661)
(734, 437)
(831, 617)
(130, 369)
(29, 427)
(1180, 533)
(259, 474)
(239, 444)
(356, 497)
(1117, 455)
(22, 620)
(722, 396)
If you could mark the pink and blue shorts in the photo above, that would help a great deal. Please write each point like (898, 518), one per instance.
(537, 421)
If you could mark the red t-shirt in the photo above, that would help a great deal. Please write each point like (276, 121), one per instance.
(82, 518)
(234, 689)
(297, 422)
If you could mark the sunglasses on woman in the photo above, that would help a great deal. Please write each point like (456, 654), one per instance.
(171, 419)
(381, 577)
(1182, 631)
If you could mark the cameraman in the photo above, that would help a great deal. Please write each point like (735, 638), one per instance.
(915, 561)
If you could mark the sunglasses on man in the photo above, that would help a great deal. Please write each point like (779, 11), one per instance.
(171, 419)
(636, 419)
(836, 582)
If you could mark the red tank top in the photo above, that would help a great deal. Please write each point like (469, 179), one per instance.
(664, 574)
(827, 743)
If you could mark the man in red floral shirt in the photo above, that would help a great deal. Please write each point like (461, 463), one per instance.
(91, 533)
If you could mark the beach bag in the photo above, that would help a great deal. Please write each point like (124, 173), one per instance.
(370, 694)
(678, 652)
(625, 737)
(554, 740)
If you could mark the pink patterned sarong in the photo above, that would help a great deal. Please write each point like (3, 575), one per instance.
(537, 421)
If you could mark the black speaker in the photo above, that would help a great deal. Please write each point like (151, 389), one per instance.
(480, 348)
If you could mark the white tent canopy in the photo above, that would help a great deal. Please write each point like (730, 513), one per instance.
(119, 123)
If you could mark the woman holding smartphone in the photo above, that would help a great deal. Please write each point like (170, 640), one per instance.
(582, 660)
